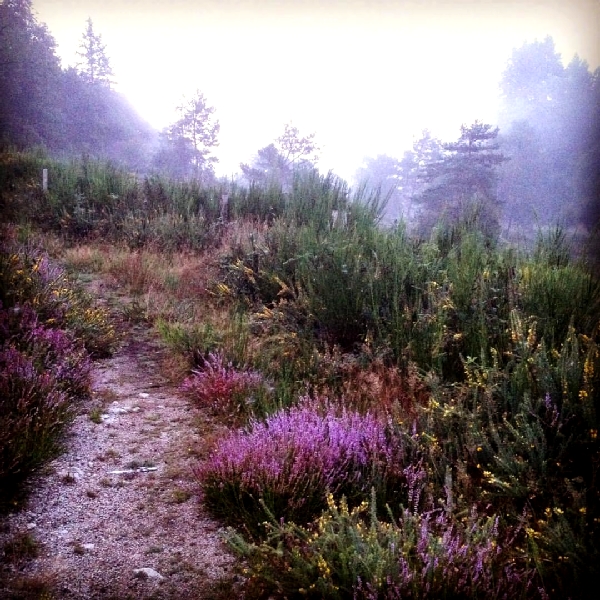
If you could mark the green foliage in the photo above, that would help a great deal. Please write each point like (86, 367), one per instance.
(189, 340)
(482, 359)
(351, 553)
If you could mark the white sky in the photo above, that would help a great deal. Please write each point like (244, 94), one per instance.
(366, 76)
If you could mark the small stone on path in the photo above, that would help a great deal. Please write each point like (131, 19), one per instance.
(147, 572)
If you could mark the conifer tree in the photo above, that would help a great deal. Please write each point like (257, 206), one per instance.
(464, 176)
(95, 66)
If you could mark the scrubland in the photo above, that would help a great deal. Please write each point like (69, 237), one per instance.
(408, 417)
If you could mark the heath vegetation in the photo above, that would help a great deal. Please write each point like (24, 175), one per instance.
(410, 416)
(404, 376)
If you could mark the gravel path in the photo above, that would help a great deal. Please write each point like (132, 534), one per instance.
(117, 515)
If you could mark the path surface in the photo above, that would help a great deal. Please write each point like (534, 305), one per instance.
(95, 527)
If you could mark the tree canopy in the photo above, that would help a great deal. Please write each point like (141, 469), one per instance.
(187, 145)
(29, 78)
(277, 162)
(67, 111)
(549, 117)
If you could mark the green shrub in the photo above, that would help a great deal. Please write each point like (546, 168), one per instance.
(29, 278)
(351, 553)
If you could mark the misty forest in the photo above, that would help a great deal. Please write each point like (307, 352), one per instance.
(406, 366)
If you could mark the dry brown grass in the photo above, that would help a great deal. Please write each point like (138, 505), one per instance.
(86, 258)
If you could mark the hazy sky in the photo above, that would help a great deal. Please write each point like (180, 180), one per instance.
(366, 76)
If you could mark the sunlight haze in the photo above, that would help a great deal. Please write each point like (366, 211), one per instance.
(365, 76)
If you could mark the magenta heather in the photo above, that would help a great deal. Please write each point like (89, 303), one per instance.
(218, 383)
(294, 457)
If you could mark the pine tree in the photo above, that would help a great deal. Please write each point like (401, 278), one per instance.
(95, 66)
(464, 176)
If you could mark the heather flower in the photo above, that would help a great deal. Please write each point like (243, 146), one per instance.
(293, 458)
(51, 350)
(221, 386)
(552, 413)
(33, 412)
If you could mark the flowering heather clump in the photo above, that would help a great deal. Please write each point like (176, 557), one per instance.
(221, 386)
(44, 366)
(51, 350)
(33, 412)
(54, 351)
(291, 460)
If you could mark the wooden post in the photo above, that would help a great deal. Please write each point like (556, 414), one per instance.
(45, 180)
(224, 208)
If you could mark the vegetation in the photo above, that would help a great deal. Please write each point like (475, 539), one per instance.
(416, 416)
(414, 412)
(48, 331)
(545, 153)
(187, 144)
(276, 163)
(68, 111)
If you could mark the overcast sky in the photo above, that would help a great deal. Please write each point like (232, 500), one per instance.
(366, 76)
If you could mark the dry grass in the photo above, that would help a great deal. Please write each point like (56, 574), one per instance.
(86, 258)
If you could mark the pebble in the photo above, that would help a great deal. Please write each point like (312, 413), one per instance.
(147, 572)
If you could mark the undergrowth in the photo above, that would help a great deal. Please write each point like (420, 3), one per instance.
(49, 329)
(457, 453)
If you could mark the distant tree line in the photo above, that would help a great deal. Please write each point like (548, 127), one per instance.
(68, 111)
(539, 168)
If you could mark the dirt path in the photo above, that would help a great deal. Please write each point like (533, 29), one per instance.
(121, 498)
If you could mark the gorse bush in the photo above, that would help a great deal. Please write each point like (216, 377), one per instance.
(288, 463)
(29, 278)
(351, 553)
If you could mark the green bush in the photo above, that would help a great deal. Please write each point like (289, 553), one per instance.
(351, 553)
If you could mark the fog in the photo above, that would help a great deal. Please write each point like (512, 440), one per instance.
(366, 77)
(491, 104)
